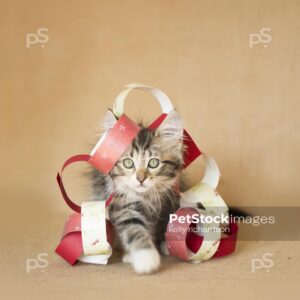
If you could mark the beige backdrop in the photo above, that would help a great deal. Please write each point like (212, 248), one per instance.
(240, 103)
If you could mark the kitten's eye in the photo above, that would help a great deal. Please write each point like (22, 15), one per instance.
(128, 163)
(153, 163)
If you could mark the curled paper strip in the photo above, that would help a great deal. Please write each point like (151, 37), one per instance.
(184, 242)
(93, 231)
(226, 246)
(177, 233)
(160, 96)
(88, 235)
(107, 153)
(70, 247)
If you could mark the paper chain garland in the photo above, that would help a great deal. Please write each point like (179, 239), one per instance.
(88, 234)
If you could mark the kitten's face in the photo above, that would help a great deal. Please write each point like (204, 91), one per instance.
(153, 160)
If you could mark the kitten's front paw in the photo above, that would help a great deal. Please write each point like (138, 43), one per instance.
(145, 261)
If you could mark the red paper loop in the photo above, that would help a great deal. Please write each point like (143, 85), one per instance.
(182, 240)
(115, 143)
(227, 244)
(75, 158)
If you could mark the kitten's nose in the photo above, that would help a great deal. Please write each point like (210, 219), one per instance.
(141, 176)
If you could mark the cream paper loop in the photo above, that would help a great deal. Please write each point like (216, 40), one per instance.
(205, 191)
(161, 97)
(212, 172)
(206, 194)
(96, 249)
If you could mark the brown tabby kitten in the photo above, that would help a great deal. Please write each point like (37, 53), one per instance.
(145, 181)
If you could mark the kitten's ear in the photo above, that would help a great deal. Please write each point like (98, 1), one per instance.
(109, 120)
(171, 128)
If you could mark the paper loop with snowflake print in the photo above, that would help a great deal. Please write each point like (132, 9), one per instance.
(109, 148)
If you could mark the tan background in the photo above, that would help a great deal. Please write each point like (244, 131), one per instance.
(241, 104)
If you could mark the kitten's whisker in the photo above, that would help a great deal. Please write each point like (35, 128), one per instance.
(159, 202)
(169, 193)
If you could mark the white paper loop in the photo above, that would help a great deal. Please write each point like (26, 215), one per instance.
(205, 191)
(206, 194)
(162, 98)
(96, 249)
(212, 173)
